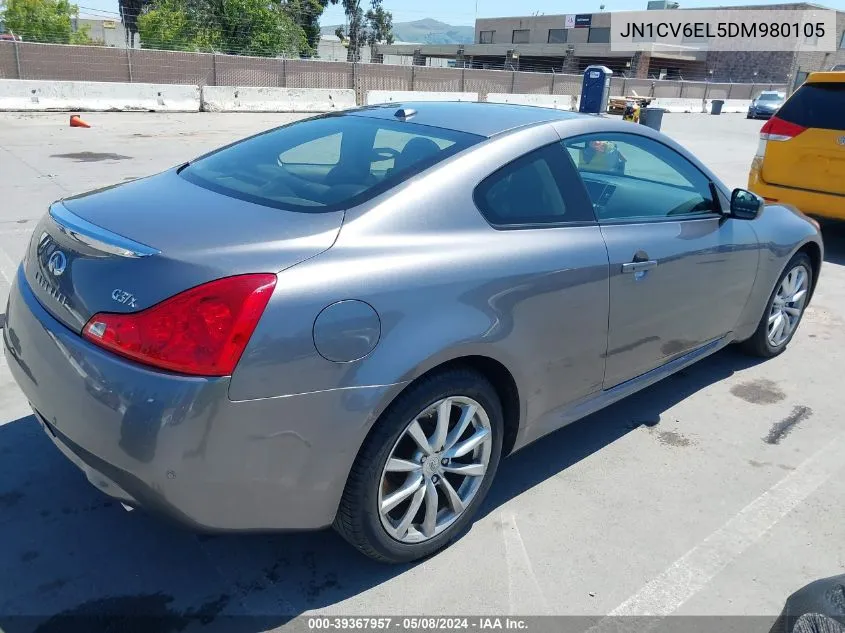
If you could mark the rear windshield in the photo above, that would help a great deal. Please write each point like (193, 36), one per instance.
(816, 105)
(327, 163)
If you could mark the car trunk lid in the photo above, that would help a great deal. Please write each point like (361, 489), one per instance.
(128, 247)
(805, 141)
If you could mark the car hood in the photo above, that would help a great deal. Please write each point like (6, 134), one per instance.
(155, 237)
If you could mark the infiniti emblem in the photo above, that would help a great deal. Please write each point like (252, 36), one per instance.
(57, 263)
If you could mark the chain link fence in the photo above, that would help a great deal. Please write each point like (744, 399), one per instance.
(27, 60)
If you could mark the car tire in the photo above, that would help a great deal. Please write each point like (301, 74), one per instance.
(761, 342)
(372, 486)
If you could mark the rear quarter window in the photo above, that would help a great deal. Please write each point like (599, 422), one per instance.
(819, 105)
(538, 188)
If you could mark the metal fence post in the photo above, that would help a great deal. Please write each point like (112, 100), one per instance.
(356, 84)
(462, 78)
(413, 75)
(129, 63)
(624, 86)
(552, 87)
(513, 80)
(17, 59)
(730, 87)
(681, 89)
(214, 69)
(284, 77)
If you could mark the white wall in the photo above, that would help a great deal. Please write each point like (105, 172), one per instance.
(22, 94)
(252, 99)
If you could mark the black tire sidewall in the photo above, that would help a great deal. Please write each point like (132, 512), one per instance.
(396, 419)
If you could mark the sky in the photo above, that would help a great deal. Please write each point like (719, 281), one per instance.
(465, 11)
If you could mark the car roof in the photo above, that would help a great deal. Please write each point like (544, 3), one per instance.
(482, 119)
(831, 76)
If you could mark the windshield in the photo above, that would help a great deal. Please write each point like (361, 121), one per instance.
(769, 97)
(326, 163)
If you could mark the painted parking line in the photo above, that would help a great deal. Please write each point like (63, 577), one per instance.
(524, 592)
(695, 569)
(8, 268)
(14, 231)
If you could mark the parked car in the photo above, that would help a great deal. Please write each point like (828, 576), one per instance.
(5, 35)
(801, 156)
(350, 319)
(765, 104)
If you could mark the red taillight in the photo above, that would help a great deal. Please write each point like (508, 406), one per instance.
(202, 331)
(777, 129)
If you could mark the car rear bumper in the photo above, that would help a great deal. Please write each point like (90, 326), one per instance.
(177, 445)
(823, 205)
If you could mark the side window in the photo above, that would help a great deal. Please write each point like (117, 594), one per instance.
(634, 177)
(531, 190)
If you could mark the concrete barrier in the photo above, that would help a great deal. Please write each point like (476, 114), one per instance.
(96, 96)
(390, 96)
(558, 102)
(253, 99)
(732, 105)
(701, 105)
(679, 105)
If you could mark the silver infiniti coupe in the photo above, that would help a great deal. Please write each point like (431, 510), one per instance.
(348, 321)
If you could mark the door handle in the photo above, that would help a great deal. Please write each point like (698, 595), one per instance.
(635, 267)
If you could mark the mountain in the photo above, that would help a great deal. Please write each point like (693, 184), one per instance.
(425, 31)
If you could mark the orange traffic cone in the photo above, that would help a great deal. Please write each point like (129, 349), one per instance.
(75, 121)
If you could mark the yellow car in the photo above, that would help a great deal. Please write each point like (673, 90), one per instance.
(801, 156)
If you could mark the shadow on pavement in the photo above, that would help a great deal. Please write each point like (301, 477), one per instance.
(834, 243)
(556, 452)
(73, 560)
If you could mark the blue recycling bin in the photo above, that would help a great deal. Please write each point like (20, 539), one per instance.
(595, 89)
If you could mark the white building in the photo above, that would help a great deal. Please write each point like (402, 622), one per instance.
(110, 32)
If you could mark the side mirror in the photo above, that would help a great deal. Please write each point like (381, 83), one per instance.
(745, 205)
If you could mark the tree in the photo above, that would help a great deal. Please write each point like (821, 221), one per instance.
(351, 34)
(375, 27)
(40, 20)
(306, 13)
(166, 26)
(239, 27)
(254, 27)
(380, 24)
(129, 12)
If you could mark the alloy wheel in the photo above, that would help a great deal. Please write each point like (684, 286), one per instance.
(787, 306)
(434, 469)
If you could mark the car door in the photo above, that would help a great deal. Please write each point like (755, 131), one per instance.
(552, 296)
(680, 271)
